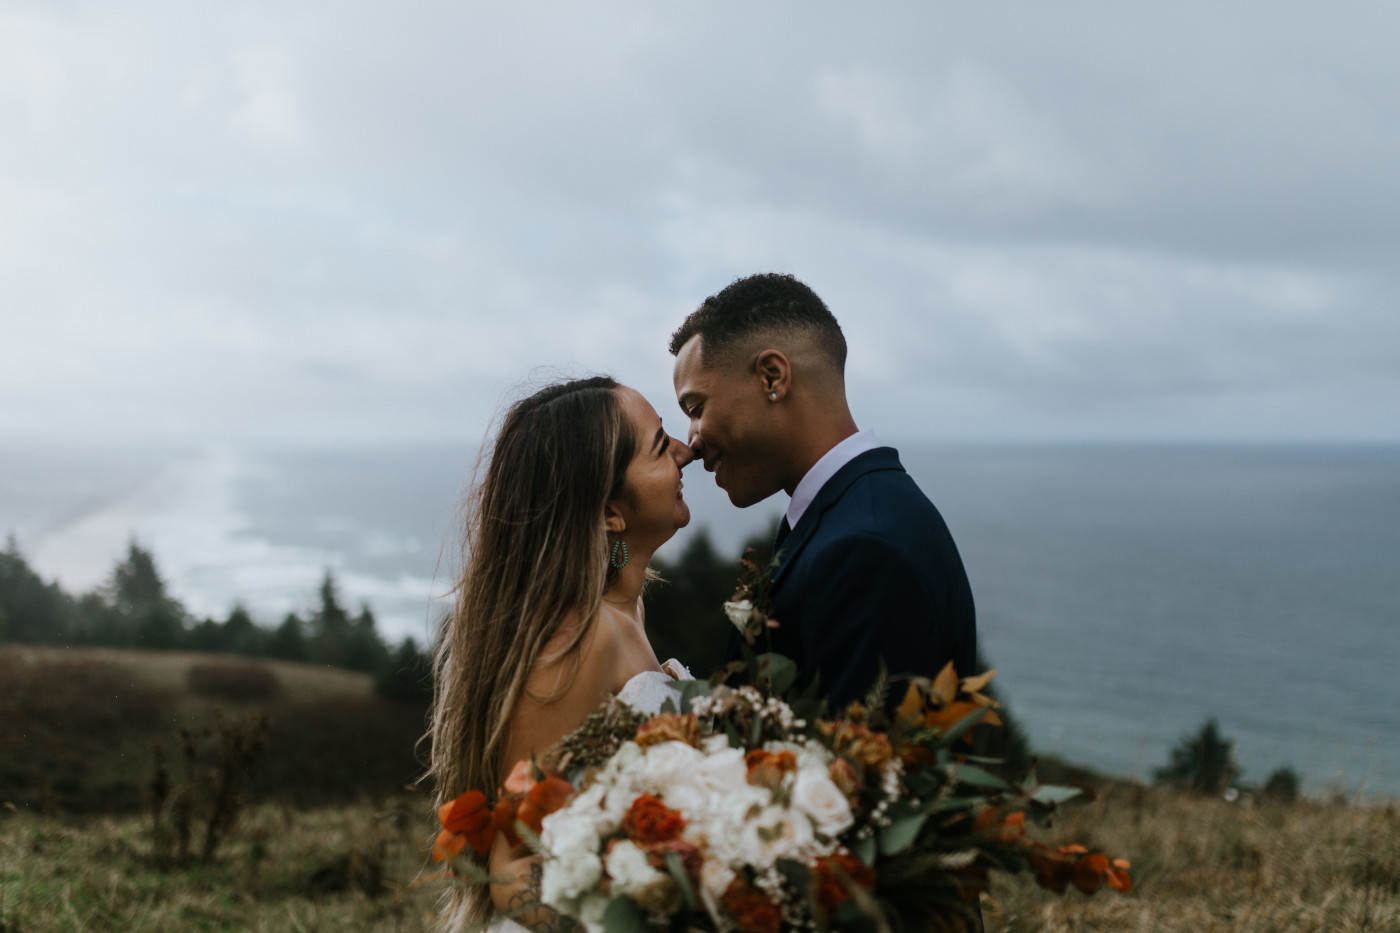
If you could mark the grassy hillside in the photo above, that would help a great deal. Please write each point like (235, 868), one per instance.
(1199, 865)
(76, 729)
(77, 726)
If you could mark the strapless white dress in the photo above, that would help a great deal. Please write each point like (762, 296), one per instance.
(646, 692)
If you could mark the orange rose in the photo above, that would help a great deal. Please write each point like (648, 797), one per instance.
(649, 820)
(834, 875)
(669, 727)
(766, 769)
(859, 743)
(750, 908)
(843, 775)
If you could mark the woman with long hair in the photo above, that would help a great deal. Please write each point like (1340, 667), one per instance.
(582, 485)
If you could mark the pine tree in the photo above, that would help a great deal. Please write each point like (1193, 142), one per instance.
(288, 643)
(1203, 761)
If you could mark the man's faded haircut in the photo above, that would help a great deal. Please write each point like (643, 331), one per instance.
(761, 304)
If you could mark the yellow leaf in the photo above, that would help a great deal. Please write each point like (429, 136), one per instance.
(973, 684)
(911, 705)
(946, 684)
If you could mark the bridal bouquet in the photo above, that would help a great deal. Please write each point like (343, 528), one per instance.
(747, 808)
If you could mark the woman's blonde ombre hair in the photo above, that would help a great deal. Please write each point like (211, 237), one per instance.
(535, 552)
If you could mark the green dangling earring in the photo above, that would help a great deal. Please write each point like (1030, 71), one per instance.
(619, 543)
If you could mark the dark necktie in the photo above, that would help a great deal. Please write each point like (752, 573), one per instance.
(783, 530)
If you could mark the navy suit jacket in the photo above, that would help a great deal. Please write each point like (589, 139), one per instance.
(871, 574)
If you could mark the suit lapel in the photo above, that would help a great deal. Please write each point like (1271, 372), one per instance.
(881, 458)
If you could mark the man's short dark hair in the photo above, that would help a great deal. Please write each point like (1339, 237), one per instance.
(759, 304)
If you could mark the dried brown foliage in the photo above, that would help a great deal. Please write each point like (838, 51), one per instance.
(1207, 866)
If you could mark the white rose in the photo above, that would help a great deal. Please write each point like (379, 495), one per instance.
(666, 765)
(722, 770)
(629, 869)
(724, 832)
(620, 766)
(809, 754)
(591, 910)
(774, 833)
(616, 803)
(739, 613)
(573, 868)
(714, 744)
(815, 794)
(566, 879)
(633, 875)
(569, 831)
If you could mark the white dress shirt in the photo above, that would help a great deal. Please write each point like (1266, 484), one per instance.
(824, 469)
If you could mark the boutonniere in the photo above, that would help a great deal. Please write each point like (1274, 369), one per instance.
(750, 606)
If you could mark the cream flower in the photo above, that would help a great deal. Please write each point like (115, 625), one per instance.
(739, 613)
(666, 765)
(816, 795)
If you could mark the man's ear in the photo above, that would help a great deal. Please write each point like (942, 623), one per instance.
(613, 520)
(774, 373)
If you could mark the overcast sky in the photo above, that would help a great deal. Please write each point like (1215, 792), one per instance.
(353, 222)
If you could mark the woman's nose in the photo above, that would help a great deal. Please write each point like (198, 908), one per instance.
(683, 453)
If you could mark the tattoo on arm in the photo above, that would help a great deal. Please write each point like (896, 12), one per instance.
(530, 912)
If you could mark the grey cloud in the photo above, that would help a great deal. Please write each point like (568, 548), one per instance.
(274, 221)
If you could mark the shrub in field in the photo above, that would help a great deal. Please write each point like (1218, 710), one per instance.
(1203, 761)
(232, 681)
(1281, 785)
(217, 767)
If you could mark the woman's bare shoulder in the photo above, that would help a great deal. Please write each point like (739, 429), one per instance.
(564, 687)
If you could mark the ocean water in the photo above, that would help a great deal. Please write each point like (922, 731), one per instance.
(1124, 593)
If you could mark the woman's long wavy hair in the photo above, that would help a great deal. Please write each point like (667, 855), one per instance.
(535, 551)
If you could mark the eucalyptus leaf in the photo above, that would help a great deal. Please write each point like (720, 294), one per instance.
(779, 671)
(677, 869)
(623, 916)
(732, 731)
(690, 689)
(864, 849)
(1051, 793)
(798, 875)
(971, 774)
(903, 830)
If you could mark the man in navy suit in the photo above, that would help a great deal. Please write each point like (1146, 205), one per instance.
(868, 572)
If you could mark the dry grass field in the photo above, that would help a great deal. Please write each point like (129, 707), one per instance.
(347, 868)
(334, 841)
(1199, 865)
(1207, 866)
